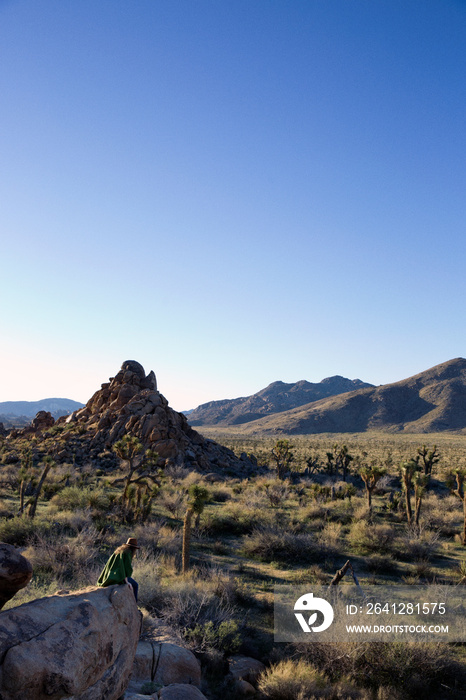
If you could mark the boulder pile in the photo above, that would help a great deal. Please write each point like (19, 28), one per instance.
(129, 403)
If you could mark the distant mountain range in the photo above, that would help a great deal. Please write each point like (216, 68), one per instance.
(20, 412)
(275, 398)
(432, 401)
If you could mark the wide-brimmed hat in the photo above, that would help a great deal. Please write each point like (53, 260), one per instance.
(132, 542)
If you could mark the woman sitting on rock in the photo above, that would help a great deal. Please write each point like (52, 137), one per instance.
(119, 567)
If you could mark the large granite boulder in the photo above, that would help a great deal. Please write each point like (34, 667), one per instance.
(78, 646)
(246, 668)
(42, 421)
(164, 663)
(15, 572)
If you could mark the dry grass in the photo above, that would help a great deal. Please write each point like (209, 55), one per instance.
(255, 533)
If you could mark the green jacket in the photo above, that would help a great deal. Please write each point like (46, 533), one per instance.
(116, 569)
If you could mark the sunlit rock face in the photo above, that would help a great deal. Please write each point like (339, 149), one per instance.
(78, 646)
(129, 403)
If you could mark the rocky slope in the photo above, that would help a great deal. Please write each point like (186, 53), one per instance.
(129, 403)
(275, 398)
(432, 401)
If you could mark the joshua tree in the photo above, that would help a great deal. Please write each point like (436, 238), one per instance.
(130, 451)
(139, 501)
(371, 475)
(329, 467)
(197, 498)
(24, 476)
(429, 458)
(420, 482)
(127, 450)
(408, 471)
(342, 459)
(457, 479)
(312, 464)
(338, 459)
(48, 463)
(282, 456)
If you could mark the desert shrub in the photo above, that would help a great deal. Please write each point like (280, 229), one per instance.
(49, 489)
(331, 534)
(231, 520)
(173, 502)
(421, 570)
(147, 570)
(442, 514)
(289, 680)
(276, 491)
(177, 472)
(10, 457)
(220, 495)
(365, 538)
(252, 499)
(418, 544)
(19, 530)
(313, 574)
(78, 498)
(269, 544)
(220, 548)
(73, 561)
(340, 511)
(224, 636)
(381, 565)
(188, 605)
(153, 537)
(461, 571)
(410, 667)
(362, 511)
(190, 479)
(70, 522)
(315, 511)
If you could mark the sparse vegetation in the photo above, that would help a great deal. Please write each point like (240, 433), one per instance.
(212, 581)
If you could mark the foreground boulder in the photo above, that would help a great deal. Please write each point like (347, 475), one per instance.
(78, 646)
(164, 663)
(245, 668)
(15, 572)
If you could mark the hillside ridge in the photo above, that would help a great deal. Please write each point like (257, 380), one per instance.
(275, 398)
(430, 401)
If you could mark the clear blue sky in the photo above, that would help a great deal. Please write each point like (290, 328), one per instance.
(231, 192)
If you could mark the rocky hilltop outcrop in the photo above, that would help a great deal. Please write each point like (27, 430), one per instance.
(130, 403)
(275, 398)
(78, 646)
